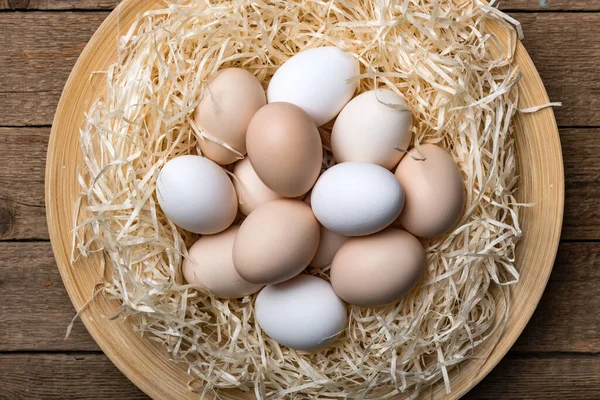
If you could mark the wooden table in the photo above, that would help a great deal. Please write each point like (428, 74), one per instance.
(558, 355)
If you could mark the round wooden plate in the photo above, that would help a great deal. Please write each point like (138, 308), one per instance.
(146, 364)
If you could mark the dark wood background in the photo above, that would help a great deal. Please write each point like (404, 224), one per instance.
(558, 355)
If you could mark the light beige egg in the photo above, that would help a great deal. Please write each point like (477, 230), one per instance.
(435, 192)
(375, 270)
(229, 103)
(251, 191)
(370, 127)
(329, 244)
(210, 265)
(285, 149)
(276, 242)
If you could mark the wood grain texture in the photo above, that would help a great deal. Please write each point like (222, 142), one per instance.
(92, 376)
(566, 56)
(24, 5)
(40, 49)
(22, 210)
(550, 5)
(541, 377)
(22, 215)
(63, 376)
(566, 319)
(28, 108)
(581, 148)
(35, 309)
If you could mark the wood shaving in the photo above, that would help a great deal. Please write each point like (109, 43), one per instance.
(461, 86)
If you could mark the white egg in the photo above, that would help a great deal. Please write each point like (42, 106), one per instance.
(316, 80)
(357, 198)
(369, 128)
(196, 194)
(303, 313)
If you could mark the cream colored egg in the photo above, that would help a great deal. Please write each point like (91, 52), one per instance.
(228, 105)
(329, 243)
(276, 242)
(285, 149)
(210, 265)
(435, 192)
(372, 271)
(370, 127)
(251, 191)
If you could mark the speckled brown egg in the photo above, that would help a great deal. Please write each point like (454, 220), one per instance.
(229, 103)
(375, 270)
(435, 192)
(276, 242)
(285, 149)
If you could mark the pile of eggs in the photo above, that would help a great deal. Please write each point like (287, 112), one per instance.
(344, 222)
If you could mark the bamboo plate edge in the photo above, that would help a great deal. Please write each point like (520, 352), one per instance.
(146, 364)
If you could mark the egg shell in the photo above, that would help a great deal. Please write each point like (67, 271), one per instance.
(329, 243)
(303, 313)
(210, 265)
(276, 242)
(435, 192)
(251, 191)
(285, 149)
(357, 198)
(376, 270)
(369, 128)
(316, 80)
(232, 99)
(307, 198)
(196, 194)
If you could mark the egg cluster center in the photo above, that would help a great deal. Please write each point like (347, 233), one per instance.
(361, 218)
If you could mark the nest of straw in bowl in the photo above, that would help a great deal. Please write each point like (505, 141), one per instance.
(461, 87)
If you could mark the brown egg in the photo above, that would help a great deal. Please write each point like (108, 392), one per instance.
(251, 191)
(329, 243)
(435, 192)
(372, 271)
(285, 148)
(276, 242)
(232, 99)
(210, 265)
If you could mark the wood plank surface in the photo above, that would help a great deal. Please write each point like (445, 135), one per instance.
(93, 376)
(89, 376)
(530, 5)
(566, 320)
(40, 49)
(52, 5)
(541, 377)
(35, 309)
(22, 212)
(549, 5)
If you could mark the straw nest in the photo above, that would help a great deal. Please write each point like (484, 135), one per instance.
(461, 87)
